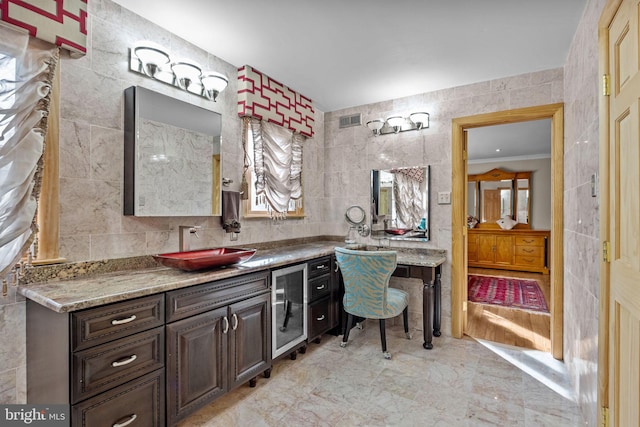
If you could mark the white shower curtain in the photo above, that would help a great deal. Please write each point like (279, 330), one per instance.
(26, 73)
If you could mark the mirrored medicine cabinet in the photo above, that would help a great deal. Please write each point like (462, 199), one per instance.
(400, 203)
(172, 156)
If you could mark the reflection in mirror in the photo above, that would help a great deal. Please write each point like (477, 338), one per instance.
(499, 193)
(172, 156)
(472, 199)
(522, 201)
(496, 200)
(400, 203)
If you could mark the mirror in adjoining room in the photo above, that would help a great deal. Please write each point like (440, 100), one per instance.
(497, 194)
(400, 203)
(172, 156)
(509, 173)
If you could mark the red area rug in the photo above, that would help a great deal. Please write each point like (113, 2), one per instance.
(507, 292)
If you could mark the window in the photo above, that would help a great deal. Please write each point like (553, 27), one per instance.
(257, 205)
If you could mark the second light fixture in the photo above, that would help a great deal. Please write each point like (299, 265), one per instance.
(396, 124)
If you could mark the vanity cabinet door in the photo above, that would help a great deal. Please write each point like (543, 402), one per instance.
(196, 362)
(249, 339)
(494, 249)
(486, 249)
(503, 250)
(472, 248)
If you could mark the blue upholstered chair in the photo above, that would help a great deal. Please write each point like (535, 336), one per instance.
(367, 294)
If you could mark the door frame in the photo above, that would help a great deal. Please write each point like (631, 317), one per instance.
(459, 237)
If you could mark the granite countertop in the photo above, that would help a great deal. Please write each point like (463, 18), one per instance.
(74, 294)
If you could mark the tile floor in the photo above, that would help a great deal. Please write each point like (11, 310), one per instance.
(458, 383)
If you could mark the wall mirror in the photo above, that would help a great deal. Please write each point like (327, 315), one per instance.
(172, 156)
(400, 203)
(499, 193)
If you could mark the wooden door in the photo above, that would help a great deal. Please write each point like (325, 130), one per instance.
(249, 339)
(196, 362)
(621, 279)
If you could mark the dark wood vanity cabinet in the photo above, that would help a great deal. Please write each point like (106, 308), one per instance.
(323, 294)
(106, 362)
(118, 364)
(218, 337)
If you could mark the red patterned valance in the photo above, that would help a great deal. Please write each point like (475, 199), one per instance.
(262, 97)
(61, 22)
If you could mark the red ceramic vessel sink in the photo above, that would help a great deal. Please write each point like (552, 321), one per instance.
(204, 258)
(397, 231)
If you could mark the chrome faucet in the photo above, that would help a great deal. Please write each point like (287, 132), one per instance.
(185, 236)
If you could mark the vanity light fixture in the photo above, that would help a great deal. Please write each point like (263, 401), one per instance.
(375, 125)
(213, 84)
(153, 61)
(186, 74)
(152, 58)
(397, 124)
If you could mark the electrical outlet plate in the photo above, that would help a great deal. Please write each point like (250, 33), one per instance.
(444, 198)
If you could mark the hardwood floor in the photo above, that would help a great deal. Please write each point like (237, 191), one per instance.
(511, 326)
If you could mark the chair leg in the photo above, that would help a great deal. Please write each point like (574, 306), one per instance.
(345, 337)
(383, 339)
(405, 318)
(287, 315)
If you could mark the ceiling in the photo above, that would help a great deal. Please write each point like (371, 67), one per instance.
(349, 53)
(514, 141)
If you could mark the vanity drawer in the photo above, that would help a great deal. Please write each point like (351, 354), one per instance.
(319, 287)
(108, 365)
(197, 299)
(529, 240)
(529, 251)
(102, 324)
(532, 261)
(320, 266)
(319, 318)
(141, 402)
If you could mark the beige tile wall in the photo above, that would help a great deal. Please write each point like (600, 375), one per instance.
(337, 164)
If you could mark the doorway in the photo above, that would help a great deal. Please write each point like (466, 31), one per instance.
(459, 206)
(509, 168)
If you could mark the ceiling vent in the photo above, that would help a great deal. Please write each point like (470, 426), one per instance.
(352, 120)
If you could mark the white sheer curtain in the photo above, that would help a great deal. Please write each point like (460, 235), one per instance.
(277, 155)
(26, 73)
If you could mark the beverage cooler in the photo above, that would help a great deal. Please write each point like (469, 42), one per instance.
(289, 308)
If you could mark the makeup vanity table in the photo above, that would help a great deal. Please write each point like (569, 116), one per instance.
(428, 269)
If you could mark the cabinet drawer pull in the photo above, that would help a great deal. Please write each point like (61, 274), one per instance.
(123, 321)
(319, 288)
(131, 419)
(528, 251)
(235, 322)
(226, 325)
(528, 240)
(321, 318)
(321, 267)
(124, 361)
